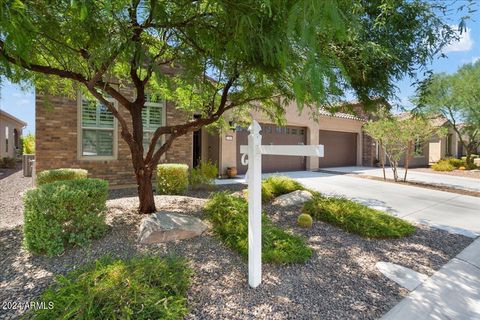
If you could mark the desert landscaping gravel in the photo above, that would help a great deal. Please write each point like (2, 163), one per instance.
(12, 187)
(340, 281)
(475, 174)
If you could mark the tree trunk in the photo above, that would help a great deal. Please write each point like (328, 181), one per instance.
(407, 160)
(394, 165)
(469, 163)
(145, 191)
(382, 161)
(395, 174)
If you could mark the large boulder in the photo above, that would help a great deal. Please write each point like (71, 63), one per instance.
(293, 198)
(166, 226)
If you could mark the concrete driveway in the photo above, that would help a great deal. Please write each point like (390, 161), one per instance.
(443, 180)
(448, 211)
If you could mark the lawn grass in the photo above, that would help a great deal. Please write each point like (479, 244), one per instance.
(357, 218)
(140, 288)
(229, 216)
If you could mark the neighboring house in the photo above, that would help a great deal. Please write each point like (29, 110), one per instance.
(448, 146)
(83, 134)
(436, 148)
(10, 132)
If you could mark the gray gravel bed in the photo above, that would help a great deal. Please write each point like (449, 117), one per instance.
(12, 187)
(340, 281)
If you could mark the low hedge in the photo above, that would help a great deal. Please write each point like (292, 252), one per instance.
(204, 175)
(229, 217)
(443, 165)
(140, 288)
(49, 176)
(64, 213)
(275, 186)
(172, 178)
(357, 218)
(457, 163)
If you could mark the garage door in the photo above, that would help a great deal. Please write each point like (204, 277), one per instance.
(275, 135)
(340, 149)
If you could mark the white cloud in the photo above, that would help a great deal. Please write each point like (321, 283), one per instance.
(464, 43)
(475, 59)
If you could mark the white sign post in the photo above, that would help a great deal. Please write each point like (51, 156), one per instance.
(254, 152)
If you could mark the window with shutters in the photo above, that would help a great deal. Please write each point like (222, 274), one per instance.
(97, 136)
(153, 116)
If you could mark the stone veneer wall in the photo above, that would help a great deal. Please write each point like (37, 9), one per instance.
(56, 142)
(368, 152)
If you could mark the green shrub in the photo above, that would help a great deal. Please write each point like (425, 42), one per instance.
(28, 144)
(357, 218)
(8, 163)
(443, 165)
(457, 163)
(471, 165)
(139, 288)
(204, 174)
(229, 216)
(64, 213)
(172, 178)
(305, 220)
(49, 176)
(275, 186)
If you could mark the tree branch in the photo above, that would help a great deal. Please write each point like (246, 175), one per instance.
(178, 130)
(103, 68)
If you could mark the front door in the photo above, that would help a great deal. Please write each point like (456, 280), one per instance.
(197, 147)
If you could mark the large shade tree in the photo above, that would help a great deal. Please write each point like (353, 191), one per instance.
(455, 97)
(211, 56)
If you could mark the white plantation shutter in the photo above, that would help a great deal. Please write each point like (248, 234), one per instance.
(89, 114)
(155, 119)
(105, 117)
(97, 129)
(152, 118)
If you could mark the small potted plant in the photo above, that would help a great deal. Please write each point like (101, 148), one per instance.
(231, 172)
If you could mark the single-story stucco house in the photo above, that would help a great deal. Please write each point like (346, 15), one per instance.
(341, 134)
(436, 148)
(77, 133)
(10, 132)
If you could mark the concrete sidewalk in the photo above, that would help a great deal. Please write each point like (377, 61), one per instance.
(437, 179)
(453, 292)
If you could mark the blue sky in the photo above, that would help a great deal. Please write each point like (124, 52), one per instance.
(21, 103)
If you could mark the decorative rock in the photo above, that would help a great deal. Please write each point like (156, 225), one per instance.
(167, 226)
(403, 276)
(293, 198)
